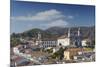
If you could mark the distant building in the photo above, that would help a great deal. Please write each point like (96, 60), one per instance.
(86, 56)
(71, 52)
(70, 40)
(46, 42)
(51, 42)
(17, 49)
(20, 61)
(85, 42)
(64, 40)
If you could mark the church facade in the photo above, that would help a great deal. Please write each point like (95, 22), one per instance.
(70, 39)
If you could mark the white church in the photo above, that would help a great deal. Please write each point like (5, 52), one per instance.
(70, 39)
(64, 40)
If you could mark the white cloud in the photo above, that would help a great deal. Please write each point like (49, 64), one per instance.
(41, 16)
(70, 17)
(45, 19)
(60, 23)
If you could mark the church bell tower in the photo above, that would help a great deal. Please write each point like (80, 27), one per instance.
(39, 36)
(69, 36)
(79, 38)
(38, 41)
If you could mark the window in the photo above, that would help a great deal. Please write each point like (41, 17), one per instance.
(60, 44)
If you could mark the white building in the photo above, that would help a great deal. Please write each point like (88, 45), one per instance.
(85, 41)
(65, 40)
(51, 42)
(70, 40)
(46, 42)
(17, 49)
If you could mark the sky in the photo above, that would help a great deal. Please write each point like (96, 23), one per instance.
(29, 15)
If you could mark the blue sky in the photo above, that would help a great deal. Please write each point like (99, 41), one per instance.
(28, 15)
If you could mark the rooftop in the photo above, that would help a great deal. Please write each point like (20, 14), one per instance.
(78, 49)
(63, 36)
(39, 53)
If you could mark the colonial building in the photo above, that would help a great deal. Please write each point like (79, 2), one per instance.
(64, 40)
(73, 40)
(51, 42)
(46, 42)
(70, 53)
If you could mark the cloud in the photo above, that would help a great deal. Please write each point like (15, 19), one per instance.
(70, 17)
(45, 19)
(60, 23)
(47, 15)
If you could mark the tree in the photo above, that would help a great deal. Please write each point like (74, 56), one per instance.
(58, 54)
(14, 41)
(91, 43)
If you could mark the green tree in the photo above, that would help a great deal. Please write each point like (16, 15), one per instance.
(58, 54)
(14, 41)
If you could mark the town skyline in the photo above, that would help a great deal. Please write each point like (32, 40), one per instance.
(51, 33)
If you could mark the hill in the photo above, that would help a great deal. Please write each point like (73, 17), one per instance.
(86, 32)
